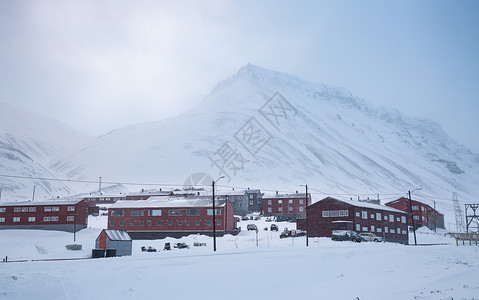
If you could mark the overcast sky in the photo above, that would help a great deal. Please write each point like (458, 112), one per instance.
(100, 65)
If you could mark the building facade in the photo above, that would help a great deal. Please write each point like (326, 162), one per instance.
(424, 215)
(330, 214)
(243, 201)
(160, 217)
(288, 206)
(63, 215)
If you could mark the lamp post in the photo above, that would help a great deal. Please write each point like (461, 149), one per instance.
(214, 214)
(306, 212)
(412, 215)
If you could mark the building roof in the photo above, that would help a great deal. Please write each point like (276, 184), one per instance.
(285, 196)
(366, 205)
(42, 203)
(169, 202)
(117, 235)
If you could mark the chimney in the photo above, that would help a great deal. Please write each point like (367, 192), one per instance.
(276, 192)
(296, 192)
(160, 189)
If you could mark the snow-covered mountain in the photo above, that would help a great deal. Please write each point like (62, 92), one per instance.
(28, 142)
(269, 130)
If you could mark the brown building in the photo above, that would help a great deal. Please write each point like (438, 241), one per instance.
(424, 215)
(64, 215)
(289, 206)
(330, 214)
(160, 217)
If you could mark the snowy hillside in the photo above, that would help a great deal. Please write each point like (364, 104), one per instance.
(308, 133)
(28, 142)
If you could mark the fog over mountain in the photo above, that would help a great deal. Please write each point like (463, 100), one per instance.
(260, 129)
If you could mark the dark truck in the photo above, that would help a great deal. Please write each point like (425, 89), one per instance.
(291, 233)
(345, 235)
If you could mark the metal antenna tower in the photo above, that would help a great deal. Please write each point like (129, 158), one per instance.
(458, 212)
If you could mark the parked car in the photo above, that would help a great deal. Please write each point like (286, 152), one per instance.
(149, 249)
(181, 246)
(346, 235)
(245, 219)
(291, 233)
(251, 227)
(371, 237)
(274, 227)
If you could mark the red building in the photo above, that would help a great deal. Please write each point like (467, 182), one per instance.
(146, 194)
(160, 217)
(64, 215)
(424, 215)
(103, 199)
(289, 206)
(330, 214)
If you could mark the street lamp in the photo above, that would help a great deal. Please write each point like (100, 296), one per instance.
(214, 215)
(412, 215)
(306, 212)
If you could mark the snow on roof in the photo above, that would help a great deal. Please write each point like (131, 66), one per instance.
(117, 235)
(44, 202)
(293, 195)
(165, 202)
(367, 205)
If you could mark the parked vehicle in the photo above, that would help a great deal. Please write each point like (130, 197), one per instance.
(371, 237)
(181, 246)
(244, 219)
(252, 227)
(291, 233)
(274, 227)
(345, 235)
(167, 246)
(149, 249)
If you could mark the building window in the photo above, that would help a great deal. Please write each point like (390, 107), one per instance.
(118, 213)
(136, 212)
(17, 209)
(398, 219)
(379, 229)
(122, 222)
(364, 214)
(392, 231)
(197, 222)
(47, 219)
(280, 201)
(378, 216)
(71, 208)
(391, 218)
(346, 213)
(154, 212)
(187, 222)
(290, 201)
(301, 209)
(193, 212)
(72, 218)
(47, 208)
(385, 218)
(386, 229)
(31, 219)
(250, 202)
(301, 201)
(209, 212)
(403, 219)
(54, 219)
(423, 218)
(132, 222)
(55, 208)
(174, 212)
(170, 223)
(208, 222)
(415, 207)
(372, 228)
(334, 213)
(16, 219)
(2, 220)
(270, 209)
(112, 223)
(416, 218)
(24, 209)
(218, 222)
(341, 213)
(148, 222)
(404, 232)
(422, 208)
(290, 208)
(357, 214)
(280, 208)
(365, 228)
(32, 209)
(142, 223)
(358, 227)
(179, 222)
(325, 213)
(3, 209)
(158, 223)
(269, 202)
(372, 216)
(399, 231)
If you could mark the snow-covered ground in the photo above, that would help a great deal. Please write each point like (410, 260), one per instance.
(275, 269)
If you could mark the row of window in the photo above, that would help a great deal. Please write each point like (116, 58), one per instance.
(335, 213)
(290, 201)
(379, 217)
(398, 230)
(158, 213)
(34, 209)
(290, 208)
(160, 222)
(416, 207)
(33, 219)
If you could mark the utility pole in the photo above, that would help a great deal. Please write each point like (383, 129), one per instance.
(412, 218)
(214, 219)
(33, 196)
(306, 211)
(100, 185)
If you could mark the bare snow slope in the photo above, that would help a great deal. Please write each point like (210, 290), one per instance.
(316, 134)
(28, 142)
